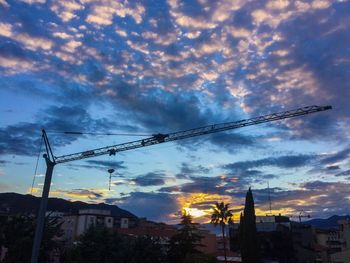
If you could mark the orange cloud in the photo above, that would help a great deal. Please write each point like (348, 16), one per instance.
(199, 205)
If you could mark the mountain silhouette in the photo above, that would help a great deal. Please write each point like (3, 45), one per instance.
(331, 222)
(17, 203)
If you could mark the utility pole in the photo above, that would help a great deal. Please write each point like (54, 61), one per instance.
(51, 160)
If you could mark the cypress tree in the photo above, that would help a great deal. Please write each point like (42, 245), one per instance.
(248, 235)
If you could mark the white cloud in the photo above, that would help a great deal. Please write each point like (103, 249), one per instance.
(210, 76)
(297, 78)
(161, 39)
(321, 4)
(34, 43)
(14, 65)
(143, 48)
(62, 35)
(193, 34)
(190, 22)
(261, 16)
(225, 9)
(121, 32)
(277, 4)
(281, 52)
(34, 1)
(4, 3)
(302, 6)
(71, 46)
(209, 48)
(239, 32)
(65, 9)
(220, 12)
(102, 12)
(5, 30)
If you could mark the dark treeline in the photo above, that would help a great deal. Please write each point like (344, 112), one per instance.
(103, 245)
(99, 244)
(16, 238)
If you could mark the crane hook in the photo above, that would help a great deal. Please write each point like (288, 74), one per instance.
(110, 171)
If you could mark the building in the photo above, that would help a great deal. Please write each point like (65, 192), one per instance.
(209, 242)
(332, 239)
(164, 233)
(271, 223)
(75, 225)
(322, 245)
(282, 240)
(303, 238)
(143, 227)
(342, 256)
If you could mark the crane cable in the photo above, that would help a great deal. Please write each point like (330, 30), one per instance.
(97, 133)
(36, 166)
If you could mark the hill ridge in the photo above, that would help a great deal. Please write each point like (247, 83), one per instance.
(326, 223)
(25, 203)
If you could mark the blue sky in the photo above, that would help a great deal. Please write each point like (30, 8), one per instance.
(144, 67)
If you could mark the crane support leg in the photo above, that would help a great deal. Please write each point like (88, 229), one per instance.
(41, 215)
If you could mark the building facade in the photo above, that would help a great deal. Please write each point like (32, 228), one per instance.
(75, 225)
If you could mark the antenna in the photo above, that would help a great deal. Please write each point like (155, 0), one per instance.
(269, 196)
(110, 178)
(301, 215)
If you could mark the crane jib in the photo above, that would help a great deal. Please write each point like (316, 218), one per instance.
(51, 160)
(163, 138)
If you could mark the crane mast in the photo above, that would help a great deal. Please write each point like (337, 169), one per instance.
(52, 160)
(162, 138)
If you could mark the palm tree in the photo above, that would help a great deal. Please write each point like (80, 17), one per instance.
(222, 215)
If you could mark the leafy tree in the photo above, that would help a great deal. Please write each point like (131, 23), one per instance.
(147, 250)
(186, 241)
(99, 244)
(222, 215)
(17, 236)
(248, 235)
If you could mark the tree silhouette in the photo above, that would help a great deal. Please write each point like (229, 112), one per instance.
(248, 235)
(199, 258)
(222, 215)
(97, 244)
(146, 249)
(186, 241)
(16, 234)
(101, 245)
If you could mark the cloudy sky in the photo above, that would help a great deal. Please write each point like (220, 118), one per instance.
(144, 67)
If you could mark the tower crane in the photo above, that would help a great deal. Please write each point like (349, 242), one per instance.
(301, 215)
(158, 138)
